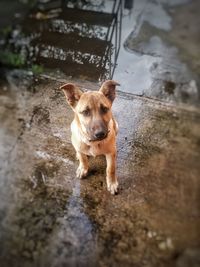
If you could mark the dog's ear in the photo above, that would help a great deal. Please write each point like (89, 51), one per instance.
(108, 89)
(72, 93)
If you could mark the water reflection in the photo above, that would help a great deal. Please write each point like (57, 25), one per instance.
(76, 234)
(153, 53)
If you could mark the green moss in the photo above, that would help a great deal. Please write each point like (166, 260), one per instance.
(37, 69)
(12, 59)
(6, 30)
(17, 60)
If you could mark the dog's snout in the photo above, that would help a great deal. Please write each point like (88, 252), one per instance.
(98, 130)
(100, 134)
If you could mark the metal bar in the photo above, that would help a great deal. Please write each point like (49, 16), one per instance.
(118, 35)
(120, 28)
(114, 5)
(109, 38)
(110, 60)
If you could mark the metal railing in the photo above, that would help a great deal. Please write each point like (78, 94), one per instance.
(113, 39)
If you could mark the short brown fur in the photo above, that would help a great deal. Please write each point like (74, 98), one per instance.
(94, 128)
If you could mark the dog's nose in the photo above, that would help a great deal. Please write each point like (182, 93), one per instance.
(100, 134)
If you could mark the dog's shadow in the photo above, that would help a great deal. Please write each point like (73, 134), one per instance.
(97, 166)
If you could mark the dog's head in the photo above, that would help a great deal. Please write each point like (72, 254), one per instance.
(92, 109)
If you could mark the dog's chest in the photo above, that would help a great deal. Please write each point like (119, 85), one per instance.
(93, 150)
(96, 149)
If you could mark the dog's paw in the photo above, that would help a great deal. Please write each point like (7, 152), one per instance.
(81, 172)
(112, 186)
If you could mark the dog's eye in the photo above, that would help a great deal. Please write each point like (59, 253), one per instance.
(104, 109)
(86, 112)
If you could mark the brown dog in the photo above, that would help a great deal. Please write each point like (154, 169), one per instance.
(94, 129)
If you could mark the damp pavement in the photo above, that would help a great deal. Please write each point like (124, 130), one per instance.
(48, 217)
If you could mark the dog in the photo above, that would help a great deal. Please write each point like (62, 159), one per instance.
(94, 128)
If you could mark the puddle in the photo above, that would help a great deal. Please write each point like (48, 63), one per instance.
(75, 236)
(153, 54)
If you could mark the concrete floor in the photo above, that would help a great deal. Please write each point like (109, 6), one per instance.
(50, 218)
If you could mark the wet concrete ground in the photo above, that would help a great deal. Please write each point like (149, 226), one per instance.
(50, 218)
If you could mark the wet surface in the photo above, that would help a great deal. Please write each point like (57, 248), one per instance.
(168, 44)
(45, 210)
(48, 217)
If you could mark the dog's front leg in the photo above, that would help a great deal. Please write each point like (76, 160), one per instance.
(111, 179)
(82, 170)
